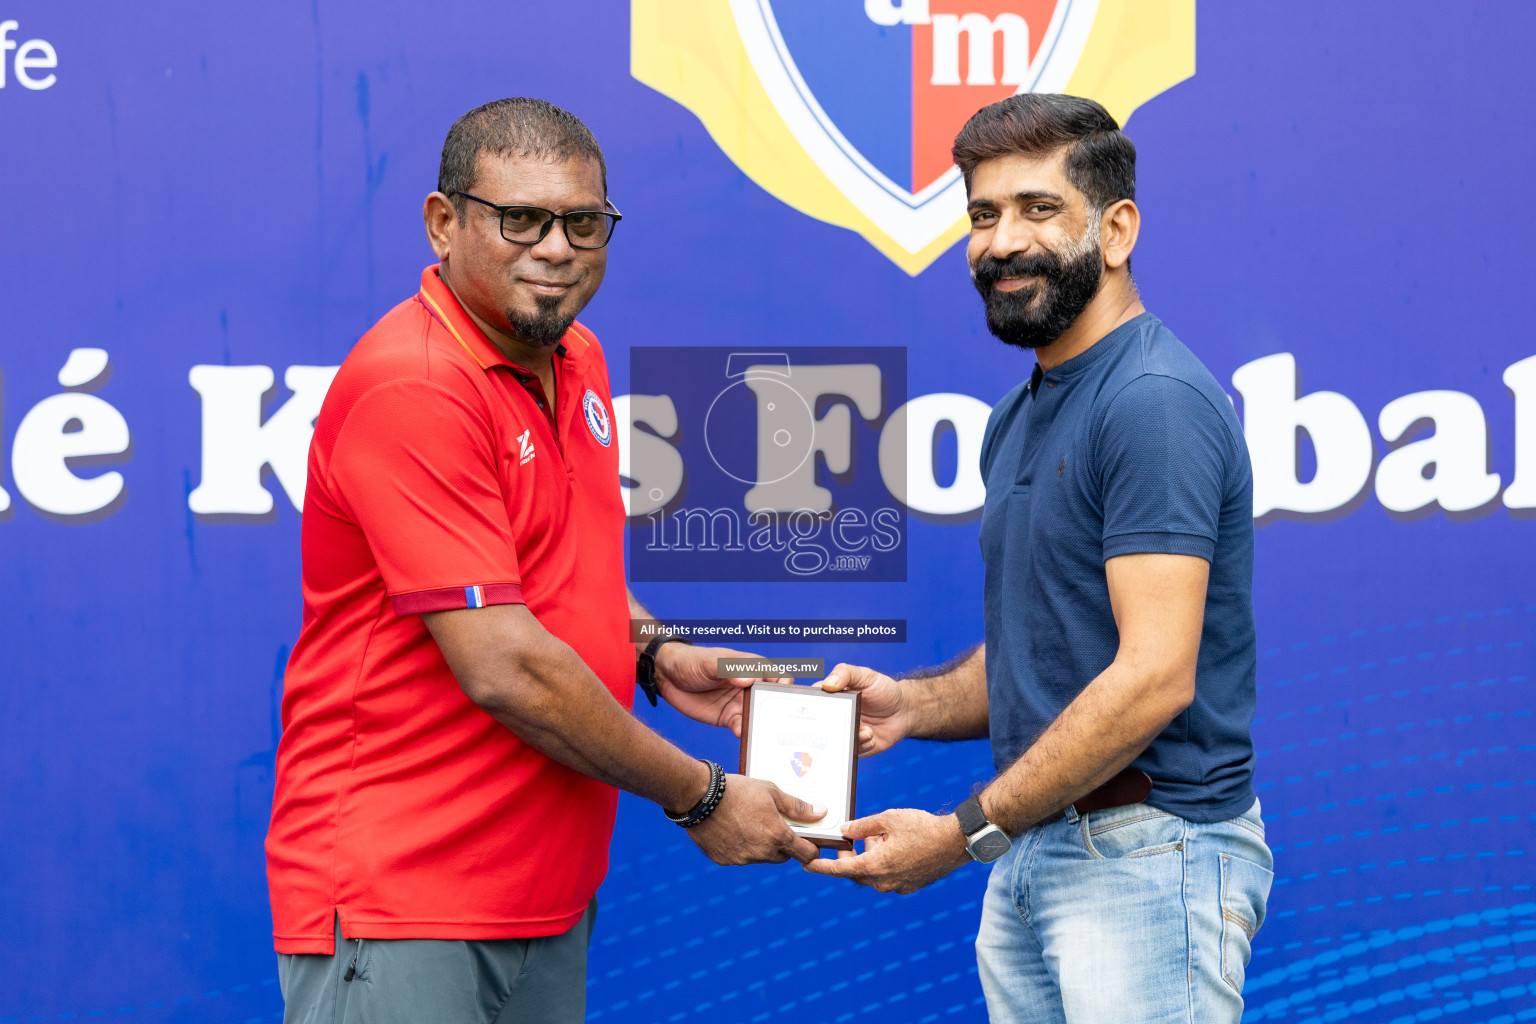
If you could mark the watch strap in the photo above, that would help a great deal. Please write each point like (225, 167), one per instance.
(972, 818)
(645, 666)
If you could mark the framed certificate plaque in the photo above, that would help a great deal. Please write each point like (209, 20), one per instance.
(805, 741)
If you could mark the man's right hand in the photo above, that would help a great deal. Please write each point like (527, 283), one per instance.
(883, 716)
(747, 828)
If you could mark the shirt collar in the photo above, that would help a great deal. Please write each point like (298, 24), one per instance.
(444, 306)
(1098, 350)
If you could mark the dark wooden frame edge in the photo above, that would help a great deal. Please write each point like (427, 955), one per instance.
(853, 781)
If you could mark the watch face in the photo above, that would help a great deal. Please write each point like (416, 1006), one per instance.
(990, 845)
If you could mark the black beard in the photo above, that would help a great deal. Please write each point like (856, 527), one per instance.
(1068, 287)
(545, 327)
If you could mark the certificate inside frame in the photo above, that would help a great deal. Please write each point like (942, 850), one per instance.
(806, 741)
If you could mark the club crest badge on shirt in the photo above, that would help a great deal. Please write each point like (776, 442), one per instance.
(597, 418)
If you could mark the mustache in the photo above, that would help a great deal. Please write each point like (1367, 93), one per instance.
(989, 270)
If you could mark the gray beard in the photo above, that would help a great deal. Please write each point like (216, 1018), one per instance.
(546, 327)
(1072, 278)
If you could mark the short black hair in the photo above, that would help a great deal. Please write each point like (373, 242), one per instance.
(518, 126)
(1101, 161)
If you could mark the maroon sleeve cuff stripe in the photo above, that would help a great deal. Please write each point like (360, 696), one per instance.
(450, 598)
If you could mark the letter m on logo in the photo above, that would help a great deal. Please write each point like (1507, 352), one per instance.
(980, 32)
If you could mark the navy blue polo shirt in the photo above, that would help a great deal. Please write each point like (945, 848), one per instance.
(1130, 447)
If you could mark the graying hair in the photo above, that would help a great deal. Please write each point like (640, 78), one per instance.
(519, 126)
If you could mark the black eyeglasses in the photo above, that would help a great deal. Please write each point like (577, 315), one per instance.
(527, 225)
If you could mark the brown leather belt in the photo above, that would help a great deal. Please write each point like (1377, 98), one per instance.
(1130, 786)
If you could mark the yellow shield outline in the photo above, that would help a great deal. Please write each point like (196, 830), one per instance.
(691, 52)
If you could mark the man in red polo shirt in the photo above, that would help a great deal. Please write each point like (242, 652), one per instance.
(456, 720)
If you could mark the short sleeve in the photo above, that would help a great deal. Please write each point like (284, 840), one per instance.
(1163, 458)
(415, 465)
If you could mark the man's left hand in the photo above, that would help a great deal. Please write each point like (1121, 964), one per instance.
(904, 850)
(686, 678)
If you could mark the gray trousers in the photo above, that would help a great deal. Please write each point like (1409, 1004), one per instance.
(443, 981)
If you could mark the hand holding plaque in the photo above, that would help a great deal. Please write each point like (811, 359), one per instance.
(805, 741)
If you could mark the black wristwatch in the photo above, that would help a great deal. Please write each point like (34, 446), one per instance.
(645, 668)
(984, 841)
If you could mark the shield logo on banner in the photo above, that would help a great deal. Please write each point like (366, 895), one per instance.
(846, 109)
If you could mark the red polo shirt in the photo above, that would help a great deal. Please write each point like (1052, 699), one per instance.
(438, 479)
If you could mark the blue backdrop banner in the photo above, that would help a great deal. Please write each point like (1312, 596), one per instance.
(205, 205)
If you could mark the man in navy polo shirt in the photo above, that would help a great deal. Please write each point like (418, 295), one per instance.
(1117, 679)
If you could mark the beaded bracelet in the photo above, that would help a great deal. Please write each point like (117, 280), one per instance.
(706, 806)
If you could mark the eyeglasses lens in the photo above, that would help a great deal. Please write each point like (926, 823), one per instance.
(524, 223)
(588, 230)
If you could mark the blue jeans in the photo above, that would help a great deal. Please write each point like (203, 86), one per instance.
(1128, 915)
